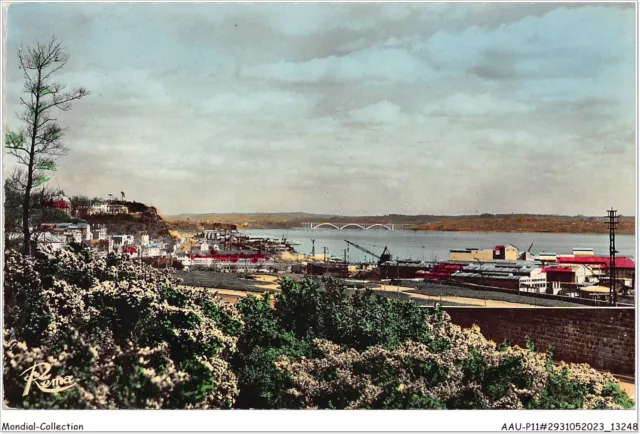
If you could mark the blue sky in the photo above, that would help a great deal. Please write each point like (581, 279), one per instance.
(432, 108)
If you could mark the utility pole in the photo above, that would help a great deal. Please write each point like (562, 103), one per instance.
(346, 266)
(398, 276)
(614, 219)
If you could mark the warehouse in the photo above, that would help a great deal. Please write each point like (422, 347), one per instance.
(500, 274)
(499, 252)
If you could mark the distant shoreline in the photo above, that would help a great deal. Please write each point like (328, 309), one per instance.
(488, 231)
(524, 224)
(480, 224)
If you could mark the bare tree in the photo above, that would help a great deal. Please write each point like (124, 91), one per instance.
(38, 143)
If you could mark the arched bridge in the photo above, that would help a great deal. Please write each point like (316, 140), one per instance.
(363, 226)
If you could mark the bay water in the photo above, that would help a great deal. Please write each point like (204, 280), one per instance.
(435, 246)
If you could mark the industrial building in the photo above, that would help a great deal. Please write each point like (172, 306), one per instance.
(599, 265)
(228, 262)
(546, 257)
(575, 275)
(568, 279)
(501, 274)
(500, 252)
(333, 269)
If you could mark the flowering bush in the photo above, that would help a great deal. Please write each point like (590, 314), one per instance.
(470, 373)
(129, 335)
(335, 350)
(132, 337)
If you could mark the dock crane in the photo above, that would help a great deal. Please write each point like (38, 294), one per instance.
(524, 254)
(384, 257)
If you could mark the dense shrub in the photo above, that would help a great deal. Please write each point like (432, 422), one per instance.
(132, 337)
(336, 350)
(471, 373)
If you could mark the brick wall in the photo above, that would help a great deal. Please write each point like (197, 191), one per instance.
(601, 337)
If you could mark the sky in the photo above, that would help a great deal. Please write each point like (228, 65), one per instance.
(354, 109)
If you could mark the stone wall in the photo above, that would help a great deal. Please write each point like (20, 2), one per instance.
(601, 337)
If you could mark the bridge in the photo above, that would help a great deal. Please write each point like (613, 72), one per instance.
(363, 226)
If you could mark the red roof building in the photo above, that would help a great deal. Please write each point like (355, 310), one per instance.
(442, 271)
(60, 202)
(603, 262)
(253, 258)
(557, 269)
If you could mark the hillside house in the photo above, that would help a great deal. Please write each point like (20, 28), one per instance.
(100, 209)
(117, 209)
(120, 242)
(99, 233)
(50, 240)
(153, 250)
(143, 238)
(74, 232)
(60, 202)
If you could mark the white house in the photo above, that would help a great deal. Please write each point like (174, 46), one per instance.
(99, 233)
(48, 239)
(116, 209)
(153, 250)
(68, 229)
(121, 241)
(144, 239)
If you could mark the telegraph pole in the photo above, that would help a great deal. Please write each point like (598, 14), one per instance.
(346, 266)
(614, 219)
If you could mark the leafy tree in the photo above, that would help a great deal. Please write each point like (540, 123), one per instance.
(38, 144)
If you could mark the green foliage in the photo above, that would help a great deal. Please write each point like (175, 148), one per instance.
(562, 393)
(263, 340)
(45, 164)
(40, 180)
(311, 310)
(14, 139)
(130, 336)
(618, 395)
(133, 338)
(531, 346)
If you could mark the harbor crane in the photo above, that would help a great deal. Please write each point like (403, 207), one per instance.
(384, 257)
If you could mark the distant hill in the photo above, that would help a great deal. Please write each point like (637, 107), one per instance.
(544, 224)
(473, 223)
(209, 216)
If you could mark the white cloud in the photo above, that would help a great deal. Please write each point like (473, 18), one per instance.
(575, 37)
(375, 64)
(286, 92)
(486, 104)
(260, 102)
(383, 112)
